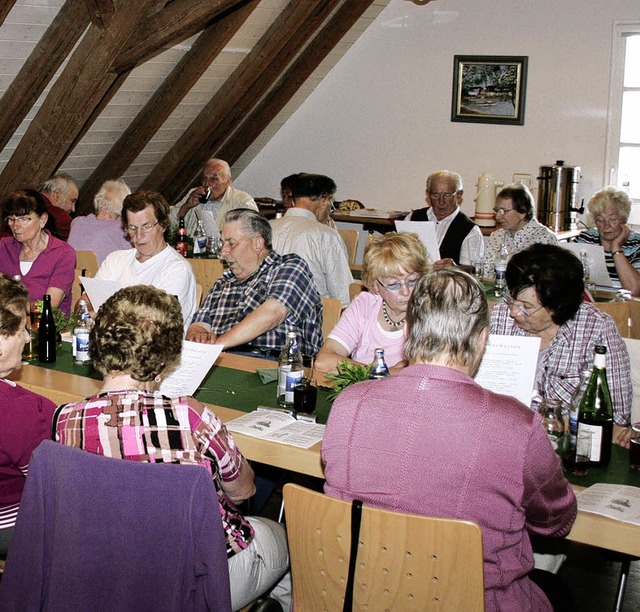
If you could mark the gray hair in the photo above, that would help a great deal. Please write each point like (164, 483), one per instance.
(447, 312)
(609, 196)
(453, 177)
(61, 181)
(110, 197)
(253, 223)
(219, 162)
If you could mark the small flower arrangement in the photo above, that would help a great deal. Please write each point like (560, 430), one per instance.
(348, 373)
(62, 321)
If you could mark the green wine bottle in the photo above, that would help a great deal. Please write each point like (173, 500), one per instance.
(595, 415)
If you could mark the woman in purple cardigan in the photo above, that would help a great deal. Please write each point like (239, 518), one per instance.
(429, 440)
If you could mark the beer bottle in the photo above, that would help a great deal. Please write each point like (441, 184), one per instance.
(595, 414)
(379, 367)
(181, 239)
(290, 371)
(47, 335)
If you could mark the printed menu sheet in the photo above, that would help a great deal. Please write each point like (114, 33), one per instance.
(277, 426)
(509, 366)
(195, 362)
(595, 258)
(426, 231)
(620, 502)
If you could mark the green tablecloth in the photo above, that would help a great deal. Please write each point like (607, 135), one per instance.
(222, 386)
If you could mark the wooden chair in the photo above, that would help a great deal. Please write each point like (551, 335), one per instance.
(356, 287)
(198, 294)
(88, 261)
(207, 272)
(331, 309)
(404, 562)
(350, 238)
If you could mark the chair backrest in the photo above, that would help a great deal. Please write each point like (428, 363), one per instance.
(76, 287)
(207, 272)
(100, 533)
(350, 238)
(356, 287)
(620, 313)
(198, 294)
(331, 309)
(633, 346)
(88, 261)
(404, 562)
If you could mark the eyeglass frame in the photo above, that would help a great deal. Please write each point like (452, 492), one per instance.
(21, 220)
(498, 210)
(146, 228)
(391, 287)
(447, 196)
(511, 303)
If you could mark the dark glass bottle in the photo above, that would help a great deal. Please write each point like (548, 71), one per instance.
(181, 238)
(47, 333)
(379, 367)
(595, 415)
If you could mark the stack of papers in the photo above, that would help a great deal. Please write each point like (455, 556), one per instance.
(377, 214)
(620, 502)
(277, 426)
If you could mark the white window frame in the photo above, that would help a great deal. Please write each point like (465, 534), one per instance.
(621, 29)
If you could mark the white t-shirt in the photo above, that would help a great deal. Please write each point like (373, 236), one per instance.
(167, 270)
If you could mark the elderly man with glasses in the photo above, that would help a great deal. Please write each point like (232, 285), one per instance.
(460, 239)
(302, 231)
(145, 216)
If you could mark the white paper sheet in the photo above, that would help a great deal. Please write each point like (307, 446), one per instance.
(509, 366)
(621, 502)
(277, 427)
(195, 362)
(426, 231)
(99, 291)
(595, 257)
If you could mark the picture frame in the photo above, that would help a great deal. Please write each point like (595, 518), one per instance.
(489, 89)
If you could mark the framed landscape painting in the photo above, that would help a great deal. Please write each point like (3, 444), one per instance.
(489, 89)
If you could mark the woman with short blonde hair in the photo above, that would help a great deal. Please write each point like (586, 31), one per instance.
(609, 211)
(393, 263)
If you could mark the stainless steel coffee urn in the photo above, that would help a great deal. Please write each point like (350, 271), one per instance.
(557, 195)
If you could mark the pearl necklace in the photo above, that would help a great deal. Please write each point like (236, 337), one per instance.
(387, 318)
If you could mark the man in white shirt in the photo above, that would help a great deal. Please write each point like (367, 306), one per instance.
(302, 231)
(460, 239)
(219, 198)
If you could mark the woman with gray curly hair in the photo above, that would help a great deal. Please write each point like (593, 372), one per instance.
(609, 211)
(136, 338)
(102, 232)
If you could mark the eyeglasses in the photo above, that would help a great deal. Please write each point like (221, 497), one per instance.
(511, 303)
(409, 283)
(607, 220)
(143, 229)
(23, 220)
(502, 211)
(445, 195)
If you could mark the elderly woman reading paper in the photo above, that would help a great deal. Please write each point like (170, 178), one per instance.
(429, 440)
(136, 337)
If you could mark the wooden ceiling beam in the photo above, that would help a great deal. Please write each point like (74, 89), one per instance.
(241, 91)
(179, 20)
(100, 12)
(80, 88)
(40, 67)
(166, 98)
(290, 81)
(5, 8)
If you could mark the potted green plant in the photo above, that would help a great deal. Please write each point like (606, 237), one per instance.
(348, 373)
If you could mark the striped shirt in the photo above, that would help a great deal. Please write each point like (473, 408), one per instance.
(631, 249)
(285, 278)
(152, 428)
(571, 351)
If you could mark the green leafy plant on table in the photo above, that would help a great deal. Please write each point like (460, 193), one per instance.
(348, 373)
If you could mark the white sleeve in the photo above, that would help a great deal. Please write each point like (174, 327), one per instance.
(472, 247)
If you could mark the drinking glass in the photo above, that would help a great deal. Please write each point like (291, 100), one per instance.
(213, 247)
(478, 269)
(634, 448)
(578, 464)
(305, 396)
(553, 422)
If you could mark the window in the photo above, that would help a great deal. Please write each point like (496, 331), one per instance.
(623, 150)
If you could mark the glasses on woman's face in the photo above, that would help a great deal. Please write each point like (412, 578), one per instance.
(612, 220)
(22, 220)
(409, 283)
(511, 303)
(143, 229)
(502, 211)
